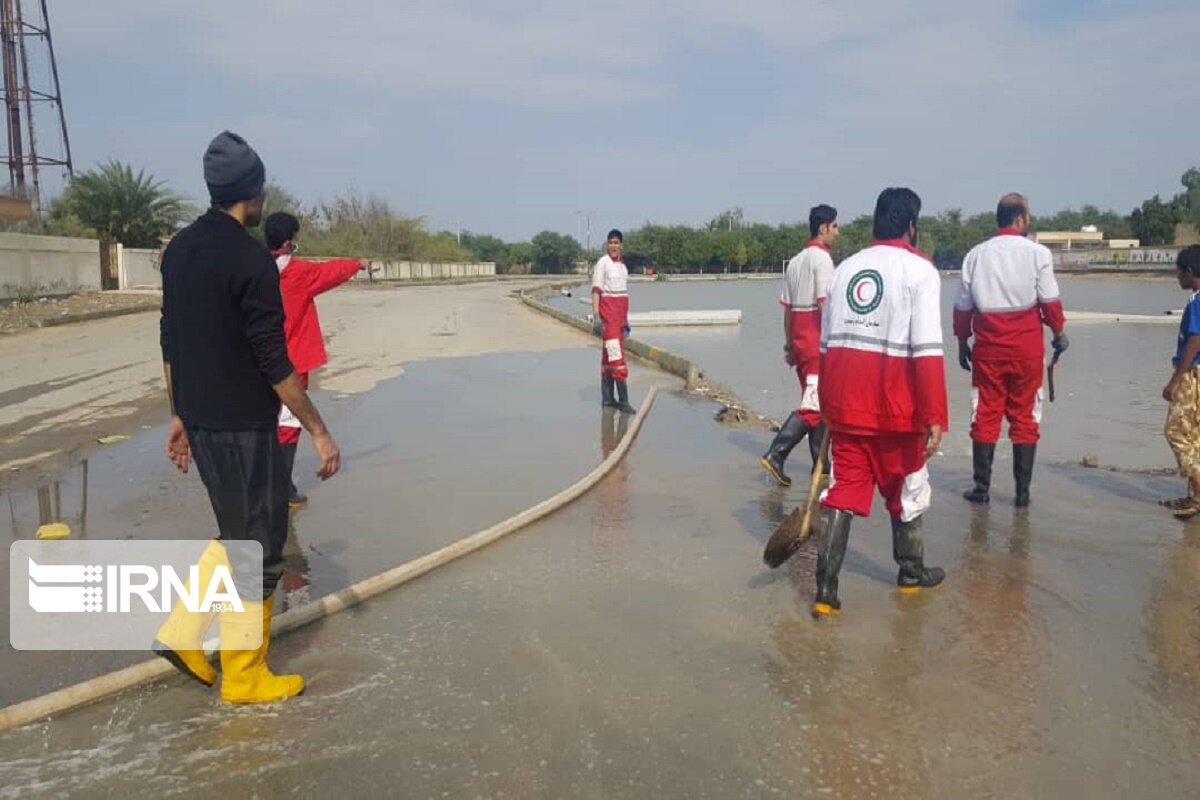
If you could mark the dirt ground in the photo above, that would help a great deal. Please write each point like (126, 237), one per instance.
(48, 311)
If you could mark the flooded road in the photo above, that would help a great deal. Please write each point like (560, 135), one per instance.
(1109, 383)
(450, 448)
(633, 645)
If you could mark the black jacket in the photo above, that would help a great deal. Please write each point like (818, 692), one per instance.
(222, 326)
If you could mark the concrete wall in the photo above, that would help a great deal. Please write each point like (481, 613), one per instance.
(1136, 258)
(140, 269)
(418, 271)
(47, 265)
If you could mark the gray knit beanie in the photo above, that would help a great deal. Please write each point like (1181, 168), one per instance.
(232, 170)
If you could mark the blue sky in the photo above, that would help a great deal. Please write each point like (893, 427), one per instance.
(508, 117)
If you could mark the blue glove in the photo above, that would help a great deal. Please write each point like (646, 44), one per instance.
(1060, 343)
(964, 355)
(625, 331)
(597, 327)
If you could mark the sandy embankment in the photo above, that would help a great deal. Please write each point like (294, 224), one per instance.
(60, 388)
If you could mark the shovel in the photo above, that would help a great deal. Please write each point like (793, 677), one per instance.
(795, 530)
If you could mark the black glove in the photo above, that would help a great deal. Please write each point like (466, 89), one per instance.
(1060, 343)
(597, 327)
(964, 356)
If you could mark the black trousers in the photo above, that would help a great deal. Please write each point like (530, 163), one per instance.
(248, 488)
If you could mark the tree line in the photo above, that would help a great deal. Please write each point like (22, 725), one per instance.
(114, 203)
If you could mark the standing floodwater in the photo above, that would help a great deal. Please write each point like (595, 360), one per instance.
(1109, 385)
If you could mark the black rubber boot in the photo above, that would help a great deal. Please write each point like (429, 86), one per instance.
(1023, 457)
(814, 444)
(908, 548)
(983, 453)
(831, 550)
(623, 397)
(295, 498)
(608, 398)
(790, 433)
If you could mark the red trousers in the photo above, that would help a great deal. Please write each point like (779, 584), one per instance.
(289, 425)
(892, 462)
(808, 371)
(1006, 389)
(614, 314)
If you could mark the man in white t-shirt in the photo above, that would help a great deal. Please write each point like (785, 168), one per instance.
(610, 319)
(805, 286)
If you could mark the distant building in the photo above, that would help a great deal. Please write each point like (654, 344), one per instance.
(1069, 240)
(1089, 238)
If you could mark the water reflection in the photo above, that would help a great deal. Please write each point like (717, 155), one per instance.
(612, 510)
(295, 586)
(64, 499)
(1173, 625)
(999, 628)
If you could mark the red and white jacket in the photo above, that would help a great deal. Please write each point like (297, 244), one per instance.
(1008, 292)
(300, 282)
(805, 287)
(610, 278)
(882, 368)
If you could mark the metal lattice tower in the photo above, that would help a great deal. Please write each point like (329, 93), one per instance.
(23, 40)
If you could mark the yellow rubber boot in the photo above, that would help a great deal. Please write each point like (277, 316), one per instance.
(245, 675)
(181, 638)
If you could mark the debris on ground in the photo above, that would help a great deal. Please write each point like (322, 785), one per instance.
(36, 313)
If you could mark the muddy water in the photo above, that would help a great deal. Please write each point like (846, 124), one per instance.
(1109, 383)
(633, 646)
(450, 448)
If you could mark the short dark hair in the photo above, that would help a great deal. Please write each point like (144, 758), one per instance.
(818, 216)
(1010, 207)
(614, 234)
(280, 227)
(1188, 259)
(895, 210)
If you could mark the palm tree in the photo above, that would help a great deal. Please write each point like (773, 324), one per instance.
(121, 206)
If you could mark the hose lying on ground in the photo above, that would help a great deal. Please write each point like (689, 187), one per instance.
(102, 686)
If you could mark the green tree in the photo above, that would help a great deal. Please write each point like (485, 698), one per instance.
(359, 227)
(519, 254)
(728, 220)
(1190, 199)
(554, 253)
(1153, 223)
(484, 247)
(741, 254)
(123, 206)
(280, 199)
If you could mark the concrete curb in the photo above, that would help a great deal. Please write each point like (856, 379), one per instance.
(98, 688)
(86, 316)
(663, 359)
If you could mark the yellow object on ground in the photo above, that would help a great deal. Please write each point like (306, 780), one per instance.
(54, 530)
(120, 437)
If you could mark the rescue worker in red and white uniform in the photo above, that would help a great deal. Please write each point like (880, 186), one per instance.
(883, 395)
(300, 282)
(805, 286)
(610, 321)
(1008, 293)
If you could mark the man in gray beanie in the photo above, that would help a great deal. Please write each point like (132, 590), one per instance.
(227, 370)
